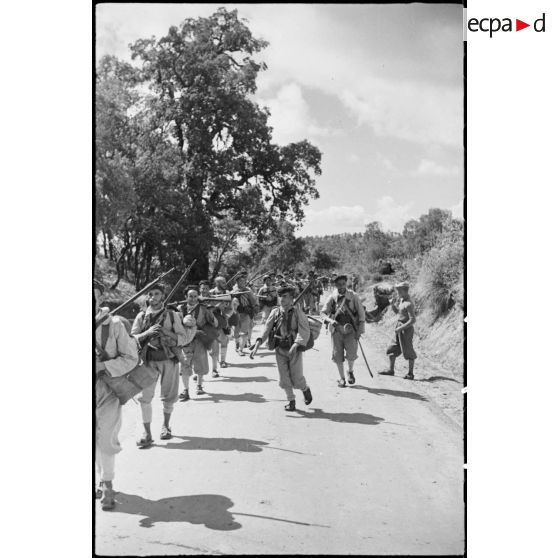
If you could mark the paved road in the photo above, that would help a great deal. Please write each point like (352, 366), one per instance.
(370, 469)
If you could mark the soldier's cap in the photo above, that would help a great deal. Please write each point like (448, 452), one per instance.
(191, 288)
(287, 289)
(220, 279)
(402, 285)
(266, 277)
(204, 282)
(340, 277)
(158, 287)
(98, 285)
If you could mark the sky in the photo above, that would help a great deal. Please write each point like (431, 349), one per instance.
(377, 88)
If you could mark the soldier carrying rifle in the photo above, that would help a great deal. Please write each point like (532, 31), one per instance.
(159, 329)
(344, 313)
(288, 333)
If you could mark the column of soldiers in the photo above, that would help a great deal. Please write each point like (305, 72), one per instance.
(179, 341)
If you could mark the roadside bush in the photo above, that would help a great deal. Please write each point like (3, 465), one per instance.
(440, 280)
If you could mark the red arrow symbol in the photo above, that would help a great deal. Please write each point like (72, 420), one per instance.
(519, 25)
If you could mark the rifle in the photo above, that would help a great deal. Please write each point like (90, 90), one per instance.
(172, 292)
(295, 301)
(134, 297)
(233, 277)
(255, 277)
(227, 297)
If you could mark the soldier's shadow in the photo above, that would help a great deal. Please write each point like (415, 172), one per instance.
(210, 510)
(254, 365)
(216, 444)
(393, 392)
(243, 379)
(355, 418)
(218, 397)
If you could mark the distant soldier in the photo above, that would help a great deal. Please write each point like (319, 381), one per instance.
(288, 332)
(220, 345)
(220, 286)
(267, 296)
(402, 342)
(204, 288)
(116, 355)
(155, 338)
(247, 307)
(344, 313)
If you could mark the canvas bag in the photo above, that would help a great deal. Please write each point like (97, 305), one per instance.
(130, 384)
(207, 334)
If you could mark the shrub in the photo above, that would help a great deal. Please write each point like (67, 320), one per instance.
(440, 277)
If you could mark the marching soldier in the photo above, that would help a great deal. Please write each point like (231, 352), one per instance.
(195, 353)
(204, 288)
(117, 354)
(220, 286)
(220, 345)
(344, 312)
(247, 306)
(288, 332)
(402, 342)
(267, 296)
(156, 338)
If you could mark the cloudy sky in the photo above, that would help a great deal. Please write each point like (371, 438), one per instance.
(378, 88)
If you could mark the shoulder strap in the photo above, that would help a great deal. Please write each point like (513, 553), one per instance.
(104, 335)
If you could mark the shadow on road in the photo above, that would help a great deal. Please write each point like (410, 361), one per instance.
(242, 379)
(253, 365)
(222, 444)
(393, 392)
(216, 444)
(437, 378)
(218, 397)
(355, 418)
(210, 510)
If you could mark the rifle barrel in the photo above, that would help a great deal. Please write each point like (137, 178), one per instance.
(178, 283)
(137, 295)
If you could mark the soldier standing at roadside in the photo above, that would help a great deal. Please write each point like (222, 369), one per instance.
(402, 342)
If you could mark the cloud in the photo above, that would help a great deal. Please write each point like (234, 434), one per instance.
(290, 116)
(427, 167)
(335, 219)
(301, 50)
(396, 84)
(391, 215)
(353, 158)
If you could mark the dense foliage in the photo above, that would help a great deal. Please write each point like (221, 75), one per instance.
(184, 155)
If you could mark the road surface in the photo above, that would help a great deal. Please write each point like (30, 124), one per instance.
(371, 469)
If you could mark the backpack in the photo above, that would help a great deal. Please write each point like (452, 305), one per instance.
(275, 340)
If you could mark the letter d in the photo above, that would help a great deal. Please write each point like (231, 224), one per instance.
(535, 25)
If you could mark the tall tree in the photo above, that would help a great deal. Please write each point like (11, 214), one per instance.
(208, 141)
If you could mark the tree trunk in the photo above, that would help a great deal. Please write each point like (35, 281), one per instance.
(105, 250)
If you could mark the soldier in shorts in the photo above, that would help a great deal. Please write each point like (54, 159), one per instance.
(402, 342)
